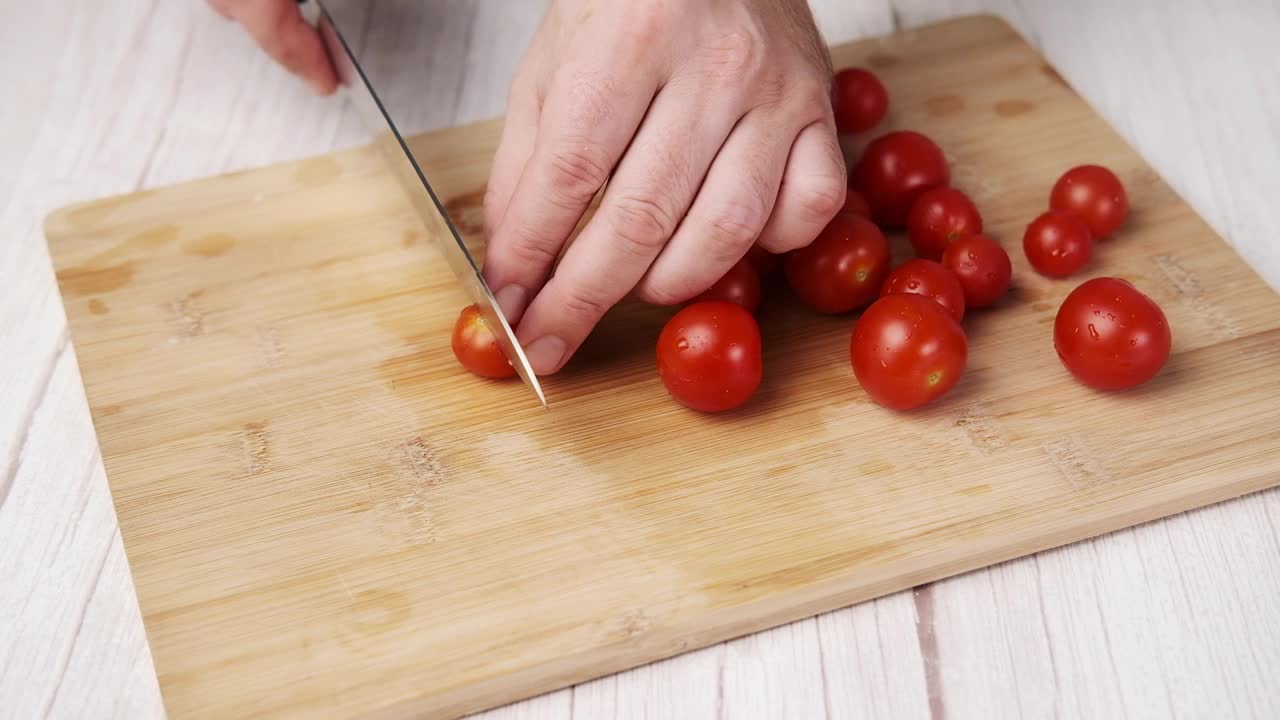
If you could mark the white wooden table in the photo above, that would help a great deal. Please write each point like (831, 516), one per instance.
(1176, 618)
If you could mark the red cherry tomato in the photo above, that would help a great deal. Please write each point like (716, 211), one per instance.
(981, 266)
(1110, 335)
(709, 356)
(893, 171)
(740, 286)
(476, 348)
(1058, 243)
(842, 269)
(855, 204)
(907, 351)
(1096, 195)
(939, 216)
(858, 99)
(930, 279)
(763, 261)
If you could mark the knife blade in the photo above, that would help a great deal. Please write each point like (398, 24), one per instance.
(408, 171)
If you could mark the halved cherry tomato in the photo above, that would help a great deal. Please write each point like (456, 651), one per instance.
(1096, 195)
(858, 99)
(763, 261)
(981, 266)
(1058, 243)
(930, 279)
(907, 351)
(893, 171)
(1110, 335)
(855, 204)
(939, 216)
(843, 268)
(476, 348)
(709, 356)
(741, 286)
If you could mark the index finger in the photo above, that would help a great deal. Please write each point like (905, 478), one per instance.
(280, 30)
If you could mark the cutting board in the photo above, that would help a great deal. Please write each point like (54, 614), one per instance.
(325, 516)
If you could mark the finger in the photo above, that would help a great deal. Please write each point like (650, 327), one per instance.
(279, 29)
(586, 123)
(519, 131)
(812, 192)
(653, 188)
(728, 214)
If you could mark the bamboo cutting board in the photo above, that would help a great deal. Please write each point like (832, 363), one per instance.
(326, 517)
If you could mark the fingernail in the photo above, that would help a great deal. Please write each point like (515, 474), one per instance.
(545, 354)
(512, 300)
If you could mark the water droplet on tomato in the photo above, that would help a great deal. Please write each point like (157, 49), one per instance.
(1094, 332)
(682, 344)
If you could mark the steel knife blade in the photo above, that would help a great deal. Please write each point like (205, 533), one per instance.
(331, 17)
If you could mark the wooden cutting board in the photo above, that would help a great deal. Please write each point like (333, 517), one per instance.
(326, 517)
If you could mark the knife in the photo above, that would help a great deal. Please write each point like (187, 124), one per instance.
(330, 18)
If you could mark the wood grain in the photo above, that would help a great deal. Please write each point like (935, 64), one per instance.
(316, 496)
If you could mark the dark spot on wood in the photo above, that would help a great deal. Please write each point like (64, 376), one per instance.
(944, 105)
(410, 238)
(883, 60)
(97, 307)
(1013, 108)
(467, 212)
(256, 447)
(89, 281)
(209, 245)
(109, 410)
(153, 238)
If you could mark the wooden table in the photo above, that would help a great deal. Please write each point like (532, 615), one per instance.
(1173, 618)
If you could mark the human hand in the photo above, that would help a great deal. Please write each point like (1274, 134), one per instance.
(278, 27)
(711, 121)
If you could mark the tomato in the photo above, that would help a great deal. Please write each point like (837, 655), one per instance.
(709, 356)
(762, 260)
(930, 279)
(981, 266)
(842, 269)
(1096, 195)
(855, 204)
(1058, 243)
(939, 216)
(741, 286)
(858, 99)
(907, 351)
(476, 348)
(894, 170)
(1110, 335)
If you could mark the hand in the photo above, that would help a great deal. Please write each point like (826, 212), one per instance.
(711, 120)
(278, 27)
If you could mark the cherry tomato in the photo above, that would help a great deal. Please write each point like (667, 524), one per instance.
(930, 279)
(843, 268)
(476, 348)
(762, 260)
(981, 266)
(939, 216)
(1058, 243)
(855, 204)
(740, 286)
(1110, 335)
(907, 351)
(858, 99)
(893, 171)
(709, 356)
(1096, 195)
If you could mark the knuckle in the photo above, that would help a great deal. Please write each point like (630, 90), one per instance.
(663, 293)
(529, 248)
(585, 302)
(648, 22)
(733, 55)
(735, 226)
(577, 173)
(642, 223)
(821, 197)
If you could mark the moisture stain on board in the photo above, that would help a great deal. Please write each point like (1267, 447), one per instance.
(97, 307)
(90, 281)
(209, 245)
(1012, 108)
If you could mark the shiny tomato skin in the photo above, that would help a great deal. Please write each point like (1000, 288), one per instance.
(763, 261)
(858, 99)
(709, 356)
(930, 279)
(842, 269)
(476, 348)
(894, 170)
(855, 204)
(740, 286)
(982, 267)
(939, 216)
(907, 351)
(1096, 195)
(1058, 244)
(1110, 335)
